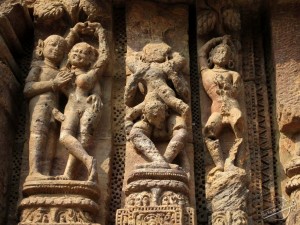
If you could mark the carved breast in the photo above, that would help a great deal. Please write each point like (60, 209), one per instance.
(86, 81)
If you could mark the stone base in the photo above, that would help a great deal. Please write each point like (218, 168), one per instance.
(58, 223)
(229, 217)
(59, 202)
(156, 215)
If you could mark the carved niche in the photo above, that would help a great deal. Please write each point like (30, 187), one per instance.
(158, 168)
(65, 109)
(224, 124)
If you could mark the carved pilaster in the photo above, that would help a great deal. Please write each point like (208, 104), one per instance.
(158, 168)
(286, 61)
(223, 113)
(68, 89)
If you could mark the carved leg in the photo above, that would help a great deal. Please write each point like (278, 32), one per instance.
(71, 167)
(168, 96)
(51, 148)
(75, 148)
(215, 151)
(143, 144)
(37, 142)
(176, 144)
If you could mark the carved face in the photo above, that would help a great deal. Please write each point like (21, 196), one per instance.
(221, 55)
(239, 218)
(82, 55)
(146, 201)
(54, 48)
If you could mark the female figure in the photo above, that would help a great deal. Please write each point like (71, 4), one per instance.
(42, 85)
(222, 86)
(82, 112)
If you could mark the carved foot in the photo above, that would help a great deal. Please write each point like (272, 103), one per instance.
(37, 176)
(154, 165)
(229, 165)
(62, 177)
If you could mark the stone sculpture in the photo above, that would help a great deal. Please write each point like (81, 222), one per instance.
(63, 199)
(157, 191)
(226, 183)
(157, 65)
(42, 86)
(82, 112)
(222, 86)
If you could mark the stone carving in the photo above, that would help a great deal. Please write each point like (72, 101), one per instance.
(219, 16)
(77, 76)
(226, 183)
(227, 194)
(42, 84)
(223, 87)
(59, 11)
(83, 108)
(230, 218)
(152, 68)
(160, 115)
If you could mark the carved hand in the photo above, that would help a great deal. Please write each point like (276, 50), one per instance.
(84, 28)
(62, 78)
(96, 102)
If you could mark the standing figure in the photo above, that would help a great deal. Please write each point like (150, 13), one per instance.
(162, 115)
(222, 86)
(82, 112)
(41, 87)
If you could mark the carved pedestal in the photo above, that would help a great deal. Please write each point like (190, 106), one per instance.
(156, 196)
(59, 202)
(227, 193)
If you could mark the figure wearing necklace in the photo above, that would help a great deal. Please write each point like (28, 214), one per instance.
(222, 86)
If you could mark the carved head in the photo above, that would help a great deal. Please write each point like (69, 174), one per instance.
(52, 48)
(155, 112)
(82, 55)
(156, 52)
(239, 217)
(222, 56)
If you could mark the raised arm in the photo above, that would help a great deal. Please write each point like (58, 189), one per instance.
(73, 35)
(205, 49)
(130, 89)
(103, 50)
(173, 70)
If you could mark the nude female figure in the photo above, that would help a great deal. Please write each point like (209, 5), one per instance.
(41, 87)
(222, 86)
(155, 67)
(83, 109)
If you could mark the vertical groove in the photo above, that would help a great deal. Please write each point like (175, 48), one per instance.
(118, 109)
(199, 165)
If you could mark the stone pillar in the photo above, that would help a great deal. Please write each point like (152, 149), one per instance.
(286, 37)
(158, 179)
(223, 111)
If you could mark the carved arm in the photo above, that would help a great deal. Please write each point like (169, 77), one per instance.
(205, 49)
